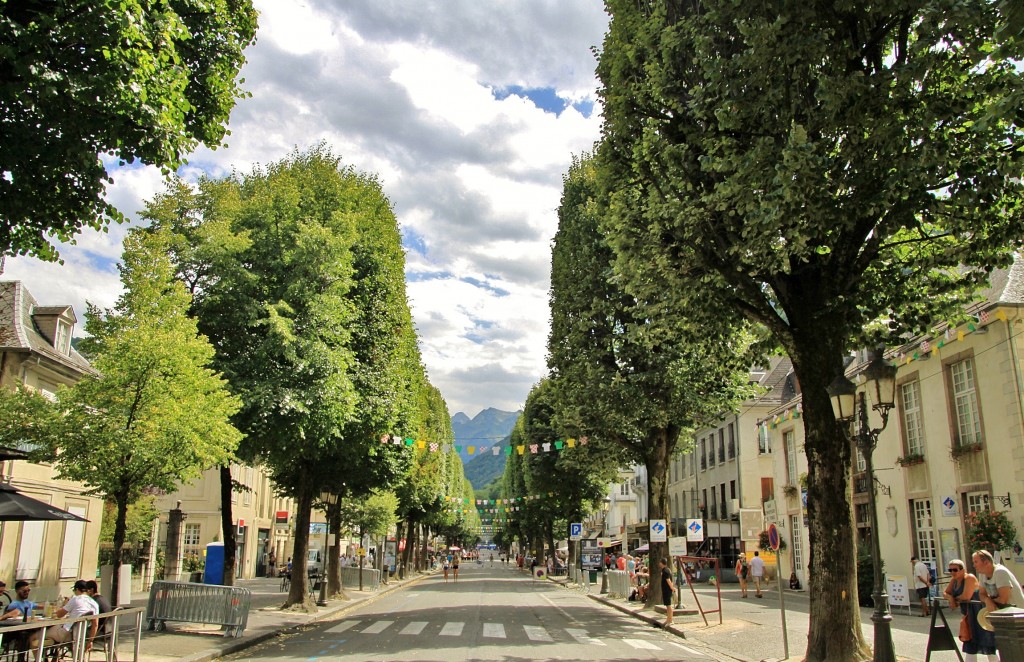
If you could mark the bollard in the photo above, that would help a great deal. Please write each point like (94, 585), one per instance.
(1009, 628)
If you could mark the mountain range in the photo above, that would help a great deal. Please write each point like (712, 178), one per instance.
(488, 428)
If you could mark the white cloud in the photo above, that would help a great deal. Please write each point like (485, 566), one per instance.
(406, 90)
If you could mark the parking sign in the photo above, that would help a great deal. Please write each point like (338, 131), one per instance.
(575, 531)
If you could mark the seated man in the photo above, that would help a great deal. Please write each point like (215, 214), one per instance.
(21, 607)
(92, 589)
(79, 605)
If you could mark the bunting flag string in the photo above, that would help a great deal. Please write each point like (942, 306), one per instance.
(521, 449)
(929, 347)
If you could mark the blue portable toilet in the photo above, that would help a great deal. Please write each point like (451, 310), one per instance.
(213, 571)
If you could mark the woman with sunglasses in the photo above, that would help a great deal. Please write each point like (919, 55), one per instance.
(963, 592)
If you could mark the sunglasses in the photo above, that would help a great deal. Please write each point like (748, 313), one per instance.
(953, 571)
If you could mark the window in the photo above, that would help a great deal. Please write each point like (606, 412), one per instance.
(30, 550)
(798, 550)
(861, 463)
(624, 488)
(711, 450)
(62, 343)
(732, 442)
(71, 552)
(703, 455)
(191, 539)
(721, 446)
(923, 534)
(976, 502)
(965, 403)
(247, 495)
(764, 439)
(732, 489)
(789, 438)
(910, 407)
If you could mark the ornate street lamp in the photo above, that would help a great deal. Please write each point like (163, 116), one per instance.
(850, 407)
(328, 499)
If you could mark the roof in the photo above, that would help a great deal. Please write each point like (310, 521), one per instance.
(1006, 286)
(18, 331)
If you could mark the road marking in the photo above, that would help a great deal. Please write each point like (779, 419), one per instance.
(452, 629)
(414, 628)
(537, 633)
(582, 637)
(341, 627)
(378, 627)
(687, 649)
(494, 630)
(640, 643)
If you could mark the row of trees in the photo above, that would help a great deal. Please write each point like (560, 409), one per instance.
(264, 320)
(836, 175)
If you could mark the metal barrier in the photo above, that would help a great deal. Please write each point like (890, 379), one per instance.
(75, 649)
(618, 584)
(227, 606)
(350, 578)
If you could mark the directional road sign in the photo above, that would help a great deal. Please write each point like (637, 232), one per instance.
(575, 531)
(659, 532)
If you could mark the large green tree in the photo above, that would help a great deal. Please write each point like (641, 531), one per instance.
(155, 415)
(134, 80)
(630, 371)
(818, 167)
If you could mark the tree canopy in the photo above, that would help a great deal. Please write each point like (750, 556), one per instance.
(85, 81)
(836, 173)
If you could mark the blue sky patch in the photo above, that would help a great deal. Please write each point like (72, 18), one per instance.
(485, 286)
(544, 98)
(413, 241)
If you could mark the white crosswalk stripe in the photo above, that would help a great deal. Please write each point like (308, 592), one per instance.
(640, 643)
(581, 637)
(414, 628)
(494, 630)
(537, 633)
(452, 629)
(685, 648)
(341, 627)
(378, 627)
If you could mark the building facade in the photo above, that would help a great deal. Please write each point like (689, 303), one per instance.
(36, 352)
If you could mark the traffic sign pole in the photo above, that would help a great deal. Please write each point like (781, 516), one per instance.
(775, 541)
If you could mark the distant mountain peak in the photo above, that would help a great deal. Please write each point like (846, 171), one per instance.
(460, 419)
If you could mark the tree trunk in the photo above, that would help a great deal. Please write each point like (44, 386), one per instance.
(406, 553)
(227, 526)
(659, 443)
(424, 538)
(299, 592)
(120, 532)
(835, 629)
(335, 588)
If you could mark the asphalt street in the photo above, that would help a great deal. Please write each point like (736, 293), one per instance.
(491, 613)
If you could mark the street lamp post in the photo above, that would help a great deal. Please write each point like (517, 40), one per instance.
(850, 407)
(328, 499)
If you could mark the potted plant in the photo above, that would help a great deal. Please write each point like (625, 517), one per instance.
(991, 530)
(910, 459)
(790, 491)
(960, 450)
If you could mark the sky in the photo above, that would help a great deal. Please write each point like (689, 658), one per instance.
(469, 112)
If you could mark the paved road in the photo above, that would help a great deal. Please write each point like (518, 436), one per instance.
(489, 614)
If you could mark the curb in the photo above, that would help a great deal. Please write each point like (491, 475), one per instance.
(243, 643)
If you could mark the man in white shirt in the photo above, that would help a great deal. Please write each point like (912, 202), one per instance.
(757, 572)
(79, 605)
(999, 587)
(922, 580)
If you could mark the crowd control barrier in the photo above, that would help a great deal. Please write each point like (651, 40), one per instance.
(618, 584)
(227, 606)
(350, 578)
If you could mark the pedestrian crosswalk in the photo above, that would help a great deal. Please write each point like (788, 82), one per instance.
(631, 636)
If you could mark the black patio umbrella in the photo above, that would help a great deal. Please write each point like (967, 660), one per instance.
(15, 506)
(12, 454)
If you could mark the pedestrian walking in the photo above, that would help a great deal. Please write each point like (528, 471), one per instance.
(922, 583)
(668, 589)
(742, 570)
(757, 572)
(446, 566)
(455, 568)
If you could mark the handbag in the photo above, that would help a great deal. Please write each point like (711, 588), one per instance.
(965, 629)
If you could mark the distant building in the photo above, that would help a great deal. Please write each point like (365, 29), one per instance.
(36, 351)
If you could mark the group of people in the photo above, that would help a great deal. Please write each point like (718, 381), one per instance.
(754, 570)
(85, 601)
(994, 587)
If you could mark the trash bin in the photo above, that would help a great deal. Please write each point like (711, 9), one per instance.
(593, 576)
(1009, 628)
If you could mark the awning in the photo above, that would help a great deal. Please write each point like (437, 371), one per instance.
(642, 549)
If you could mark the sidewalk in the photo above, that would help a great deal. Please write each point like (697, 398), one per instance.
(187, 642)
